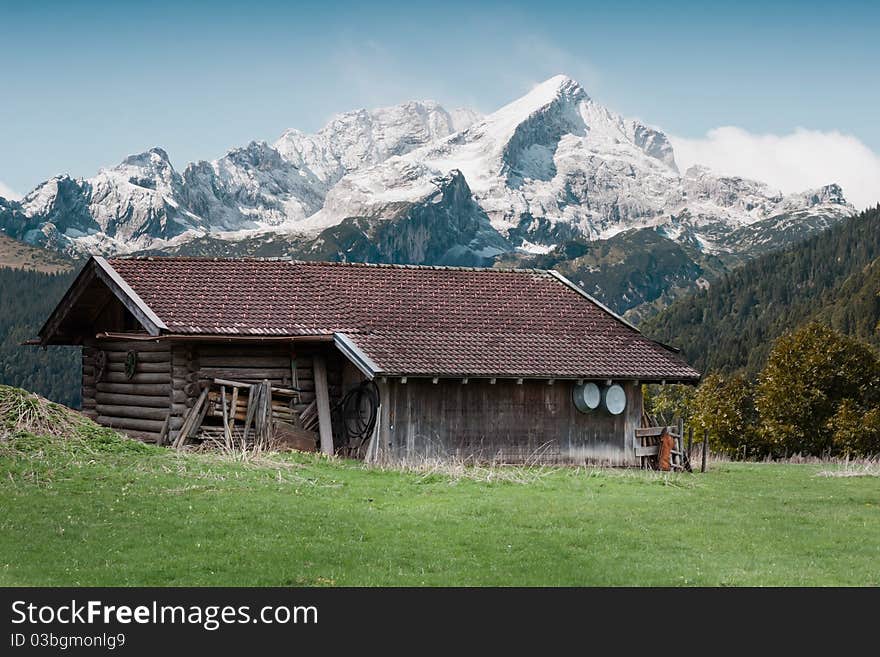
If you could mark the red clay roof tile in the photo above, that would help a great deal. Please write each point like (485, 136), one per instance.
(408, 320)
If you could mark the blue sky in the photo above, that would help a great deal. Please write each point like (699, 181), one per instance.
(86, 83)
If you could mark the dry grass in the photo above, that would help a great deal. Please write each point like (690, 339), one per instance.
(22, 411)
(457, 469)
(854, 468)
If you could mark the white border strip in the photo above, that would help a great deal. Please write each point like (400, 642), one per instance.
(356, 355)
(130, 293)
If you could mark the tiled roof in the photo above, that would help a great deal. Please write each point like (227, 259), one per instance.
(408, 320)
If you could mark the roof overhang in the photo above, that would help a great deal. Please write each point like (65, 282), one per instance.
(356, 355)
(98, 268)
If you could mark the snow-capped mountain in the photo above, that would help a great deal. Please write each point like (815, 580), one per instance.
(144, 203)
(357, 140)
(417, 183)
(554, 163)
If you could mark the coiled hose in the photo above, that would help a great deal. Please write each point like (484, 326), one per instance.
(354, 417)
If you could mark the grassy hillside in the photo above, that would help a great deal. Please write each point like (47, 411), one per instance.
(26, 299)
(19, 255)
(833, 277)
(93, 508)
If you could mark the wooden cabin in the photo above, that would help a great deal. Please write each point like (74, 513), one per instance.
(378, 361)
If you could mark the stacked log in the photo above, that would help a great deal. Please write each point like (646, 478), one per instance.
(88, 382)
(138, 405)
(184, 384)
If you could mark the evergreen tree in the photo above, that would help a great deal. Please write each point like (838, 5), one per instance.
(26, 300)
(833, 278)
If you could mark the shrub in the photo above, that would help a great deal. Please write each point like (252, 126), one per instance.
(665, 404)
(855, 432)
(725, 409)
(816, 381)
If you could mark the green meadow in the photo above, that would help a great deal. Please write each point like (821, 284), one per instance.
(94, 508)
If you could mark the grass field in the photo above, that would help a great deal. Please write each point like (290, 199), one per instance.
(97, 509)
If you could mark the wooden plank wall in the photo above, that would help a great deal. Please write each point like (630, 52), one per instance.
(137, 406)
(503, 422)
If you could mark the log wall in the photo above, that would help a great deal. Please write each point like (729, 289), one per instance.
(503, 422)
(138, 406)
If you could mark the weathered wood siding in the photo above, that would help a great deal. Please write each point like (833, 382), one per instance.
(505, 422)
(139, 405)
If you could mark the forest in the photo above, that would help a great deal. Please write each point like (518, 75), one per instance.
(832, 278)
(26, 299)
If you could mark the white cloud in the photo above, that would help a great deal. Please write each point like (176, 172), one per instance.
(7, 192)
(794, 162)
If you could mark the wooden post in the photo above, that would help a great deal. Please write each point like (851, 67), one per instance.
(189, 422)
(690, 441)
(227, 437)
(705, 450)
(681, 442)
(372, 450)
(249, 416)
(232, 406)
(267, 411)
(322, 396)
(163, 434)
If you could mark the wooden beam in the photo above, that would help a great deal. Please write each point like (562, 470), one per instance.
(135, 412)
(253, 392)
(127, 388)
(128, 297)
(322, 397)
(114, 399)
(191, 418)
(74, 292)
(226, 435)
(163, 434)
(153, 426)
(231, 384)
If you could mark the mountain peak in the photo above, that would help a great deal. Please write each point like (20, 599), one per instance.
(559, 92)
(559, 86)
(153, 157)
